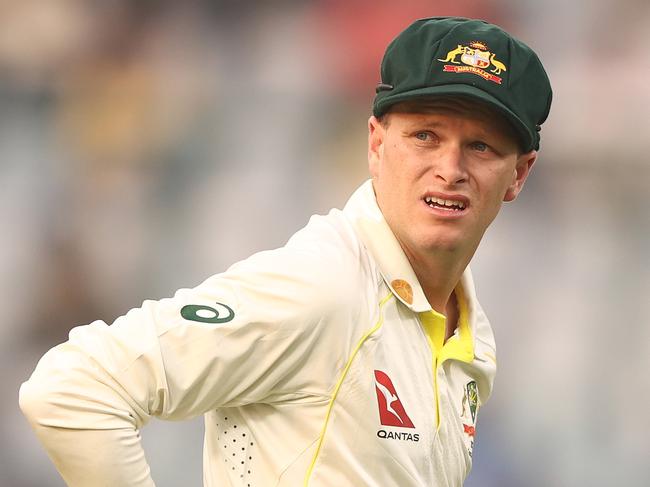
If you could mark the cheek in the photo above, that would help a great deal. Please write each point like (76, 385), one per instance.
(501, 178)
(391, 187)
(494, 187)
(390, 168)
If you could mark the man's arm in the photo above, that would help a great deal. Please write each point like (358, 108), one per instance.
(86, 456)
(236, 339)
(85, 412)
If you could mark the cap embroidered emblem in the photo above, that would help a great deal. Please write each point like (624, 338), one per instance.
(475, 58)
(403, 290)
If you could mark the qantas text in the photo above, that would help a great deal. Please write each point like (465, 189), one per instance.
(398, 435)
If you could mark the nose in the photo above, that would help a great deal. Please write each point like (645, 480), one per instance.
(450, 167)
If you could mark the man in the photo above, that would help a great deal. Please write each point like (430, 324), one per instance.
(356, 355)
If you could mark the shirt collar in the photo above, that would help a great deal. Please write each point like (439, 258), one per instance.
(382, 244)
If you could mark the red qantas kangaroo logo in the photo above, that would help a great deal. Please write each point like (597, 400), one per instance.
(391, 411)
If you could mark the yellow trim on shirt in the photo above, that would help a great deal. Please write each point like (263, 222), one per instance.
(380, 322)
(491, 357)
(460, 346)
(434, 326)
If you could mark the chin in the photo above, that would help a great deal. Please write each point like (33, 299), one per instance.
(446, 242)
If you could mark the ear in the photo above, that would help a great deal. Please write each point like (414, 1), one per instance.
(376, 135)
(522, 169)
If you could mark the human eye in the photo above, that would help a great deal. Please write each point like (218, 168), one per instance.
(481, 147)
(424, 136)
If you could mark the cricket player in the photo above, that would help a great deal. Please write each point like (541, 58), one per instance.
(358, 353)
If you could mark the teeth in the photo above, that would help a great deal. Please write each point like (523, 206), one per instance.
(430, 200)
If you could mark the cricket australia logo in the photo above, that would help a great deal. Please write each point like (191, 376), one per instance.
(469, 408)
(391, 410)
(475, 58)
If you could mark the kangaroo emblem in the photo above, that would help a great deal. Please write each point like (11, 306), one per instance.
(474, 58)
(498, 65)
(451, 55)
(390, 399)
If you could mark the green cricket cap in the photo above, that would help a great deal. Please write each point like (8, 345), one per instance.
(455, 56)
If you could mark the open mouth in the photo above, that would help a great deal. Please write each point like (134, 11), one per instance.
(445, 204)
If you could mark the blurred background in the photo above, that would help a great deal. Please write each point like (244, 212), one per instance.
(147, 145)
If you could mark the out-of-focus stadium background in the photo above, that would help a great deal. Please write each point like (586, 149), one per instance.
(146, 145)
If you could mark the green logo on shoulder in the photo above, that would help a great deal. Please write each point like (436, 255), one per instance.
(207, 314)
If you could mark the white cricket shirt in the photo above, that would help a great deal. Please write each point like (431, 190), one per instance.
(320, 363)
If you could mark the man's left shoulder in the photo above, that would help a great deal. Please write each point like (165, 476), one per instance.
(330, 232)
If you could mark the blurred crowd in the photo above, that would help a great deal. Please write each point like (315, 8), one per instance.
(147, 145)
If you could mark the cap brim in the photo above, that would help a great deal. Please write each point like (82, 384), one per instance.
(527, 139)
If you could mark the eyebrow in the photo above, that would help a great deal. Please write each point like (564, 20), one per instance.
(425, 124)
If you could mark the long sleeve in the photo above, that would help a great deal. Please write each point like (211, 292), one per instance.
(241, 337)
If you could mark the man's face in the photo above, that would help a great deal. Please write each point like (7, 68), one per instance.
(441, 176)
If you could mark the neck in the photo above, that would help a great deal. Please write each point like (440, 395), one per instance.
(439, 273)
